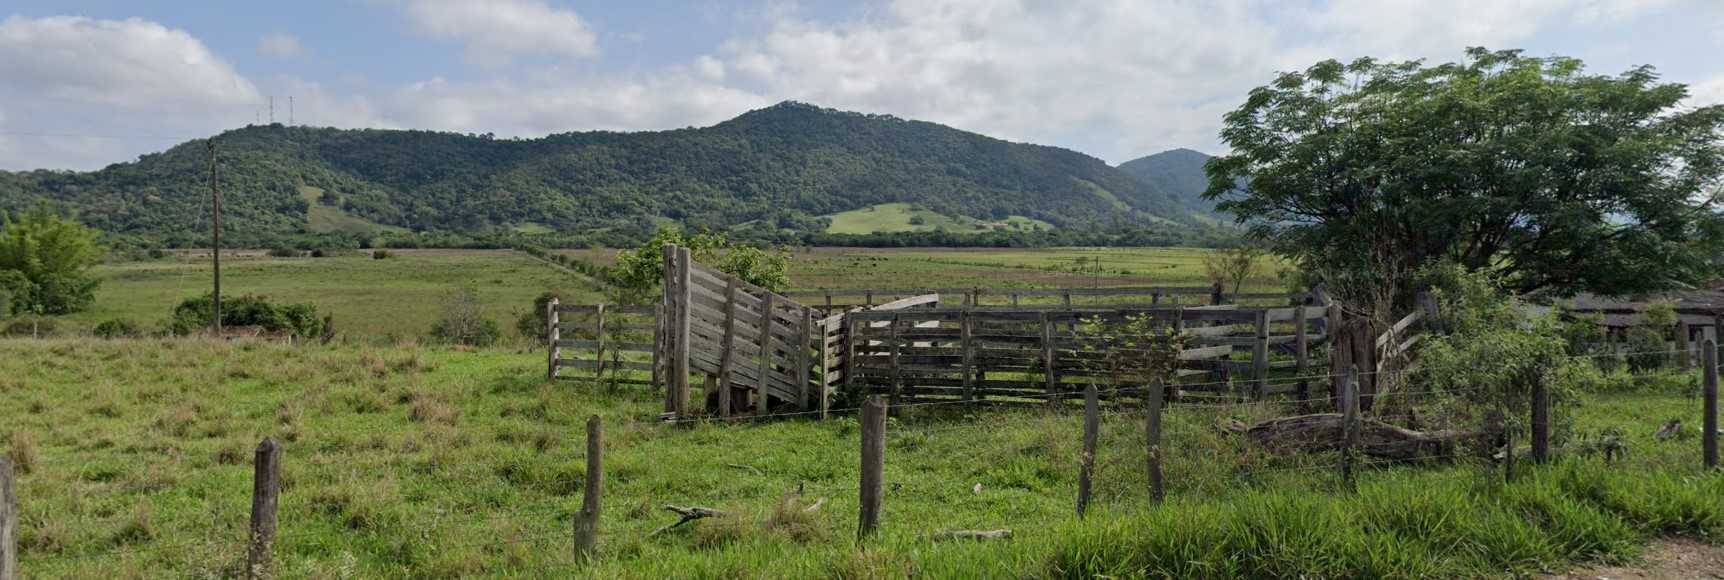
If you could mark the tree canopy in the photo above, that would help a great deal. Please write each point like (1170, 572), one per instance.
(43, 261)
(1529, 169)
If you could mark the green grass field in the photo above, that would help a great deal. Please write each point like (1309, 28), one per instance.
(902, 217)
(328, 218)
(400, 296)
(432, 463)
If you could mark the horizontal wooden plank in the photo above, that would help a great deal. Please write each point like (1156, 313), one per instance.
(608, 364)
(609, 309)
(609, 345)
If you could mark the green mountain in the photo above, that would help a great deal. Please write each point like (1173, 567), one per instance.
(778, 167)
(1178, 172)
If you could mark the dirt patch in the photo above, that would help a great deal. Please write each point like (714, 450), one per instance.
(1669, 558)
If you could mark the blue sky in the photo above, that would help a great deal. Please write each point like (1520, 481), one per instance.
(92, 83)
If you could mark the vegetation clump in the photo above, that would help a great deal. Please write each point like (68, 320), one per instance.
(464, 321)
(44, 263)
(196, 314)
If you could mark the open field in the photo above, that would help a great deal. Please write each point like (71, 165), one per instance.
(411, 462)
(839, 268)
(400, 296)
(902, 217)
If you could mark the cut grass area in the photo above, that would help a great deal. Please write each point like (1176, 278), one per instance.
(1011, 267)
(903, 217)
(322, 218)
(405, 462)
(400, 296)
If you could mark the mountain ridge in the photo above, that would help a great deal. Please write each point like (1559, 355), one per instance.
(782, 166)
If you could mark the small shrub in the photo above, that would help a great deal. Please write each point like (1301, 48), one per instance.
(283, 253)
(118, 328)
(35, 326)
(22, 452)
(382, 255)
(464, 321)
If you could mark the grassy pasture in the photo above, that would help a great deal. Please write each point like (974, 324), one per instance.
(415, 462)
(400, 296)
(902, 217)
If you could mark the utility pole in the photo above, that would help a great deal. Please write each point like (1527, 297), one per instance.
(215, 237)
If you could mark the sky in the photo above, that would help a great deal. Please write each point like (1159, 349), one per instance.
(86, 84)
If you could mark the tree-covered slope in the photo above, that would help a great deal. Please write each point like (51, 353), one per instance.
(781, 165)
(1178, 172)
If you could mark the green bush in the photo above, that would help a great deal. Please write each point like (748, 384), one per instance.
(32, 325)
(531, 324)
(283, 253)
(43, 262)
(382, 255)
(195, 314)
(117, 328)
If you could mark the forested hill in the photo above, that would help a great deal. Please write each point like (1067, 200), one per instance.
(1178, 172)
(780, 167)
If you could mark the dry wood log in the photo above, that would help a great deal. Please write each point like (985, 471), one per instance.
(688, 514)
(973, 535)
(1323, 431)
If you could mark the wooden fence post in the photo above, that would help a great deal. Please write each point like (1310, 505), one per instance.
(1350, 424)
(1152, 431)
(966, 341)
(765, 370)
(668, 335)
(825, 368)
(8, 521)
(873, 463)
(684, 288)
(553, 333)
(658, 344)
(727, 350)
(587, 521)
(849, 325)
(1340, 354)
(1541, 415)
(1302, 355)
(1053, 377)
(1217, 294)
(892, 352)
(1709, 438)
(266, 488)
(1684, 359)
(1091, 428)
(1260, 357)
(804, 345)
(599, 346)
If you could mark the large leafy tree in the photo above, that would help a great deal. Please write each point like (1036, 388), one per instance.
(44, 259)
(1529, 169)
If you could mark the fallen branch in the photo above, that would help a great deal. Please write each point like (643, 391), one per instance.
(973, 535)
(816, 505)
(1323, 431)
(688, 514)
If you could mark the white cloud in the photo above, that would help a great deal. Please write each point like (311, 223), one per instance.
(1707, 92)
(659, 101)
(280, 45)
(497, 30)
(123, 63)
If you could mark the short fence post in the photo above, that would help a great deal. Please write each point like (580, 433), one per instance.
(806, 332)
(587, 521)
(966, 341)
(1053, 377)
(266, 488)
(553, 333)
(1302, 355)
(1709, 439)
(1260, 357)
(1152, 430)
(765, 369)
(1350, 424)
(1684, 358)
(8, 521)
(1339, 357)
(680, 337)
(727, 350)
(666, 355)
(599, 346)
(892, 353)
(873, 463)
(1217, 294)
(1091, 428)
(1541, 415)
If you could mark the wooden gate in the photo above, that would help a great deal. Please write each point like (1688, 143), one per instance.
(756, 349)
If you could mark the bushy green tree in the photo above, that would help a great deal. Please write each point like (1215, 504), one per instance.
(1528, 168)
(464, 321)
(639, 272)
(44, 262)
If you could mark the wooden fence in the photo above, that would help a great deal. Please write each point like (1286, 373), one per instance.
(1027, 354)
(834, 301)
(603, 343)
(754, 347)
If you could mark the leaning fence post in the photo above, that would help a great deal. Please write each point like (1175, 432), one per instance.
(1053, 377)
(873, 463)
(1709, 439)
(587, 521)
(1541, 415)
(8, 521)
(553, 333)
(1152, 431)
(1302, 355)
(679, 358)
(1350, 424)
(1091, 427)
(266, 488)
(1260, 357)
